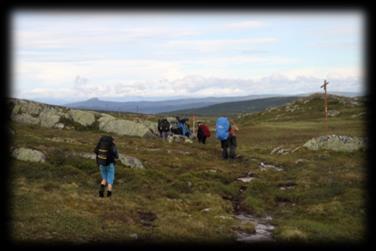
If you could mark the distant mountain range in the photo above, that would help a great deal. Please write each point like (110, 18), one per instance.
(187, 105)
(153, 107)
(231, 108)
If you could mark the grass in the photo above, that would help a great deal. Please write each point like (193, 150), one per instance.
(188, 187)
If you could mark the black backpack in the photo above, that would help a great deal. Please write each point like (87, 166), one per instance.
(103, 150)
(165, 125)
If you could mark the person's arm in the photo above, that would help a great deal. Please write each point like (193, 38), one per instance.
(96, 149)
(233, 125)
(115, 152)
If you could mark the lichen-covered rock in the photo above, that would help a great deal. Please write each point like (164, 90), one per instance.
(336, 143)
(26, 119)
(49, 118)
(132, 162)
(125, 127)
(27, 154)
(30, 108)
(82, 117)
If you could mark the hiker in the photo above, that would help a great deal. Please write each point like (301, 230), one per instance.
(203, 132)
(163, 128)
(183, 127)
(160, 127)
(106, 152)
(225, 132)
(232, 139)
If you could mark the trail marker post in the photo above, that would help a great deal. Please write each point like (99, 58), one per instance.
(325, 103)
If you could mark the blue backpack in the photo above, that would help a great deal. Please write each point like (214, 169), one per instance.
(222, 126)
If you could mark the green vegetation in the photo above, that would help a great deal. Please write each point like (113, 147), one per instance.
(185, 192)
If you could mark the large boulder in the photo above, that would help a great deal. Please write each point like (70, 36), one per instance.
(126, 127)
(336, 143)
(82, 117)
(27, 154)
(26, 119)
(30, 108)
(104, 119)
(49, 118)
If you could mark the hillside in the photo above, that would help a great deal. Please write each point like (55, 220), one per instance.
(233, 108)
(152, 107)
(184, 192)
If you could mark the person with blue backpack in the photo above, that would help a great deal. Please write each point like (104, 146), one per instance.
(225, 132)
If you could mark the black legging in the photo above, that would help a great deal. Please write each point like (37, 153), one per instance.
(229, 147)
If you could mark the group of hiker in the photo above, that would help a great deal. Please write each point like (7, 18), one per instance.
(106, 151)
(180, 127)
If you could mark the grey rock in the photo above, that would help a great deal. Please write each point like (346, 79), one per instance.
(82, 117)
(49, 118)
(125, 127)
(131, 162)
(246, 179)
(26, 119)
(265, 167)
(59, 125)
(333, 113)
(336, 143)
(178, 138)
(27, 154)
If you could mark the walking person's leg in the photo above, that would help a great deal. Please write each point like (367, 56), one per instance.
(103, 181)
(110, 178)
(203, 140)
(224, 145)
(233, 145)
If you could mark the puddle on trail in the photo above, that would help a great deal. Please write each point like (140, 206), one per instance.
(263, 229)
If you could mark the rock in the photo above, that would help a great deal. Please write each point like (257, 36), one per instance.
(104, 119)
(27, 154)
(134, 236)
(178, 138)
(336, 143)
(333, 113)
(264, 167)
(132, 162)
(279, 150)
(298, 161)
(49, 118)
(26, 119)
(246, 179)
(30, 108)
(59, 125)
(206, 210)
(125, 127)
(82, 117)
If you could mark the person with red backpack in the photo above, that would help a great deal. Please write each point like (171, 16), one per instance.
(203, 132)
(106, 152)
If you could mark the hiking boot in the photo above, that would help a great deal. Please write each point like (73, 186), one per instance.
(109, 193)
(101, 194)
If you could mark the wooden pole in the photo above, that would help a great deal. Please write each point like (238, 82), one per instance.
(325, 104)
(193, 124)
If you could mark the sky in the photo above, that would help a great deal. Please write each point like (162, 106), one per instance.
(161, 55)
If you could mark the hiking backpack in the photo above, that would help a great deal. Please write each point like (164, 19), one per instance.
(104, 150)
(205, 130)
(222, 128)
(165, 125)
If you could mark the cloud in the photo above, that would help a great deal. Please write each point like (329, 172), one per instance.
(206, 45)
(245, 24)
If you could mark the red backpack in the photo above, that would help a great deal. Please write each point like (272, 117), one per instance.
(205, 130)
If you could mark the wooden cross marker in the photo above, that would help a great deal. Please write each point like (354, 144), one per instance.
(325, 103)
